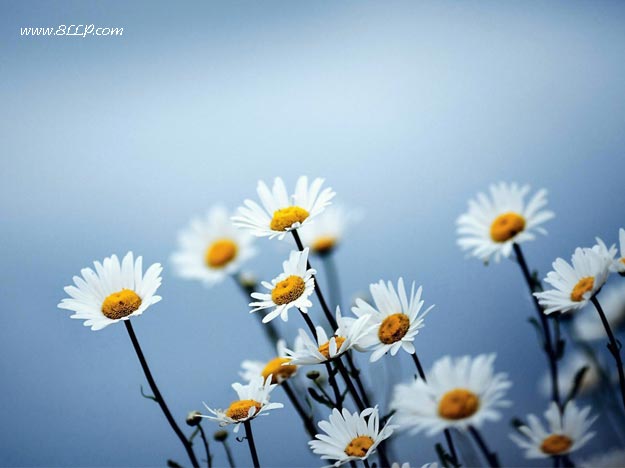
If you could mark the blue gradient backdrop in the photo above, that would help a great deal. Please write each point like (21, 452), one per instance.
(407, 108)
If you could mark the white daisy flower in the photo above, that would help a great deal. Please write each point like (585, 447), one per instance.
(611, 459)
(348, 335)
(211, 248)
(112, 292)
(566, 432)
(608, 253)
(279, 368)
(281, 213)
(326, 233)
(494, 223)
(617, 263)
(350, 436)
(461, 392)
(567, 371)
(587, 325)
(574, 284)
(253, 401)
(292, 288)
(396, 318)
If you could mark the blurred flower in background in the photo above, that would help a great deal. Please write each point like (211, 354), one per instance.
(211, 248)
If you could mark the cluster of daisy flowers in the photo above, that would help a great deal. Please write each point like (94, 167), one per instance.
(317, 367)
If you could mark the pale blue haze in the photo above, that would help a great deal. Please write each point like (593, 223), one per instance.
(406, 108)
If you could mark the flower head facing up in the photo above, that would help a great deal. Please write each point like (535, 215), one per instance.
(211, 248)
(458, 393)
(281, 213)
(350, 436)
(587, 325)
(395, 319)
(326, 233)
(292, 288)
(576, 283)
(253, 401)
(565, 433)
(348, 335)
(114, 291)
(278, 369)
(492, 224)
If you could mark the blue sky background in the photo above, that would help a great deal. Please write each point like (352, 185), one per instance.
(406, 108)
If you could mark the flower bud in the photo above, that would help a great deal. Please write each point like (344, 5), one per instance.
(194, 418)
(220, 436)
(313, 375)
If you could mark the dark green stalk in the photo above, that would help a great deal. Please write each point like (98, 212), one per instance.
(613, 346)
(157, 395)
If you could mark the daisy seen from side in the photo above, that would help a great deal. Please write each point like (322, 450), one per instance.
(396, 318)
(281, 212)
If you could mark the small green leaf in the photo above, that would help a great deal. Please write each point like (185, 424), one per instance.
(319, 398)
(577, 383)
(149, 397)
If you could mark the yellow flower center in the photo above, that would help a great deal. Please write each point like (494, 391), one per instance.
(323, 244)
(121, 304)
(284, 218)
(582, 287)
(277, 371)
(458, 403)
(393, 328)
(359, 446)
(622, 260)
(239, 409)
(288, 290)
(556, 444)
(506, 226)
(325, 347)
(220, 253)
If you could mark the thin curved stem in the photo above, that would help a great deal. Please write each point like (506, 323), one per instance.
(306, 419)
(268, 328)
(335, 388)
(418, 365)
(322, 301)
(250, 441)
(355, 372)
(228, 454)
(309, 323)
(350, 385)
(549, 346)
(452, 447)
(491, 457)
(613, 346)
(157, 395)
(209, 457)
